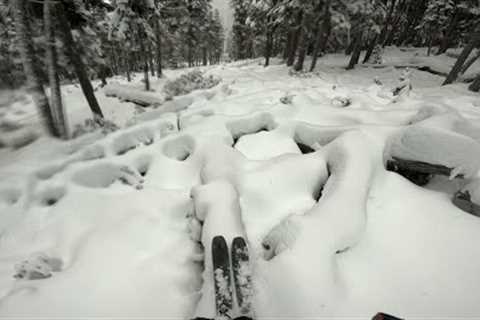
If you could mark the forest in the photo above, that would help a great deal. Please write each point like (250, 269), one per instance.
(52, 42)
(239, 159)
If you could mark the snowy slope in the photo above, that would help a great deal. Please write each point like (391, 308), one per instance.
(346, 238)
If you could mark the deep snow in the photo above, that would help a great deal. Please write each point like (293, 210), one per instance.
(332, 234)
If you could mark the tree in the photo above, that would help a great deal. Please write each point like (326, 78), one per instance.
(52, 63)
(242, 40)
(475, 86)
(457, 68)
(323, 33)
(364, 19)
(77, 62)
(29, 60)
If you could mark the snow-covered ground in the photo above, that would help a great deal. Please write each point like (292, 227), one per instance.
(114, 220)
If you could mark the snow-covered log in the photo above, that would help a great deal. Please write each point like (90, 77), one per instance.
(433, 150)
(126, 93)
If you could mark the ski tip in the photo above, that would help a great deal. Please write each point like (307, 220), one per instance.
(219, 241)
(239, 241)
(384, 316)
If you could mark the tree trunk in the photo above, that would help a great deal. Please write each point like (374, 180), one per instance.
(429, 50)
(158, 38)
(75, 59)
(268, 47)
(128, 60)
(144, 57)
(114, 60)
(388, 21)
(288, 44)
(350, 47)
(27, 54)
(296, 36)
(302, 43)
(370, 49)
(322, 36)
(475, 86)
(150, 61)
(357, 50)
(474, 41)
(448, 35)
(470, 62)
(316, 48)
(412, 21)
(204, 56)
(51, 55)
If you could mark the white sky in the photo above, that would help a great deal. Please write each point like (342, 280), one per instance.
(225, 11)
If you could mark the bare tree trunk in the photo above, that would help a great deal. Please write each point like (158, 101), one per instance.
(144, 58)
(75, 59)
(268, 47)
(158, 37)
(204, 56)
(447, 39)
(470, 62)
(296, 36)
(350, 47)
(475, 86)
(27, 53)
(128, 60)
(288, 44)
(357, 50)
(150, 61)
(429, 50)
(452, 76)
(302, 43)
(55, 90)
(388, 21)
(370, 49)
(322, 36)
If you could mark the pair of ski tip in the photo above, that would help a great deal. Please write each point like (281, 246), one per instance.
(224, 293)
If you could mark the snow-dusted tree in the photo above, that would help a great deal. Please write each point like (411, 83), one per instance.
(30, 64)
(12, 75)
(457, 68)
(242, 29)
(433, 21)
(324, 27)
(130, 22)
(72, 52)
(363, 17)
(267, 15)
(308, 9)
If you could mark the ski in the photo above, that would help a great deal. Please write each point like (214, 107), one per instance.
(242, 277)
(222, 279)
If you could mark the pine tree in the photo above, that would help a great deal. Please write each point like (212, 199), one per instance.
(72, 52)
(29, 60)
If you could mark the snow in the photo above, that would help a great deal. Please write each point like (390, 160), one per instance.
(120, 225)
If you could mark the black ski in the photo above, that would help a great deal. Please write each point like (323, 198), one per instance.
(221, 276)
(242, 277)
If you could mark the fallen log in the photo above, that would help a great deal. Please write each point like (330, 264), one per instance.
(417, 172)
(463, 201)
(126, 93)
